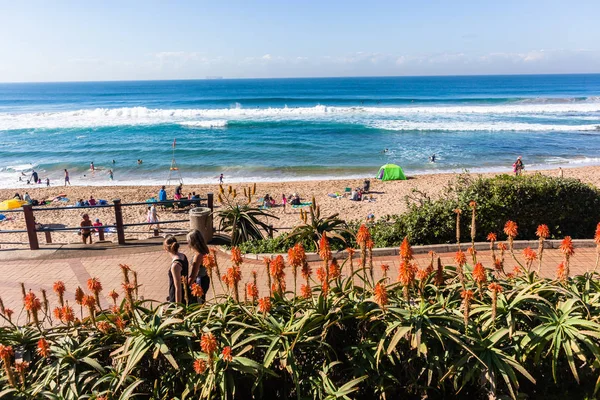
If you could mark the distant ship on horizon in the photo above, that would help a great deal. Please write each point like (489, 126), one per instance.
(214, 77)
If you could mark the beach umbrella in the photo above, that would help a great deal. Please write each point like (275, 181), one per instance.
(11, 204)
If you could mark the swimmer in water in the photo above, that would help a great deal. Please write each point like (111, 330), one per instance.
(432, 158)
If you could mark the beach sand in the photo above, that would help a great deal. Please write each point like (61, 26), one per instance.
(389, 198)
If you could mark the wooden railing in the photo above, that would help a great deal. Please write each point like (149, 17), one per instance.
(32, 230)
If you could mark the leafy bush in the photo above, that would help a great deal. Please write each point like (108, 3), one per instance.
(435, 334)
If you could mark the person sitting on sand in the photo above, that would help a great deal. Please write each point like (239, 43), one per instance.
(86, 232)
(195, 196)
(79, 203)
(178, 190)
(92, 201)
(27, 198)
(178, 269)
(295, 200)
(162, 194)
(17, 196)
(97, 224)
(198, 273)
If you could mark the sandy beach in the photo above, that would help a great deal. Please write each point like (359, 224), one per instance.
(388, 198)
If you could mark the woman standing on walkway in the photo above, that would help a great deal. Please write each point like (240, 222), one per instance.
(198, 274)
(179, 268)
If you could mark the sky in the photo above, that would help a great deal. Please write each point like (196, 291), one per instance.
(138, 40)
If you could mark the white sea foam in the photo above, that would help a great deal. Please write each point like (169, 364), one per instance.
(219, 123)
(145, 116)
(478, 126)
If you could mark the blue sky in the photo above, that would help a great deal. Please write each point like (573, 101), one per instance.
(121, 40)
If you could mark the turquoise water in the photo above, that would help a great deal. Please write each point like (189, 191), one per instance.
(279, 129)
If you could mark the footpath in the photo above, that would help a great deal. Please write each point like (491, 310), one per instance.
(75, 265)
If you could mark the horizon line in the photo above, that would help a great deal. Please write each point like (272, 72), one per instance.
(218, 78)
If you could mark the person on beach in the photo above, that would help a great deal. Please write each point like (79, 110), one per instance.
(110, 174)
(139, 161)
(86, 232)
(34, 176)
(432, 158)
(47, 182)
(221, 179)
(178, 269)
(518, 166)
(162, 194)
(67, 178)
(283, 201)
(178, 190)
(198, 274)
(152, 217)
(97, 225)
(17, 196)
(92, 201)
(560, 172)
(92, 166)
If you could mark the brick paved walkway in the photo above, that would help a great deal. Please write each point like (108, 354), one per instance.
(152, 269)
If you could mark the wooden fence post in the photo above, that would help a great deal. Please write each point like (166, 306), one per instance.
(48, 236)
(101, 234)
(119, 221)
(30, 224)
(210, 200)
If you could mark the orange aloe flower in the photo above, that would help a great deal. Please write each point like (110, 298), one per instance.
(542, 231)
(79, 295)
(511, 229)
(200, 366)
(334, 269)
(501, 246)
(566, 247)
(498, 265)
(67, 314)
(236, 256)
(208, 262)
(495, 287)
(103, 326)
(422, 274)
(227, 354)
(234, 275)
(597, 235)
(479, 273)
(385, 268)
(381, 296)
(406, 252)
(94, 285)
(120, 323)
(252, 291)
(58, 313)
(406, 273)
(113, 295)
(43, 348)
(306, 291)
(324, 249)
(460, 258)
(32, 303)
(561, 272)
(529, 254)
(208, 343)
(264, 305)
(363, 235)
(491, 237)
(59, 289)
(321, 274)
(196, 290)
(306, 271)
(292, 257)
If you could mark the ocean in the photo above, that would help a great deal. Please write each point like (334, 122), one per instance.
(295, 129)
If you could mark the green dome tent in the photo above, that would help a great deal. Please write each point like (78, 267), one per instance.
(391, 172)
